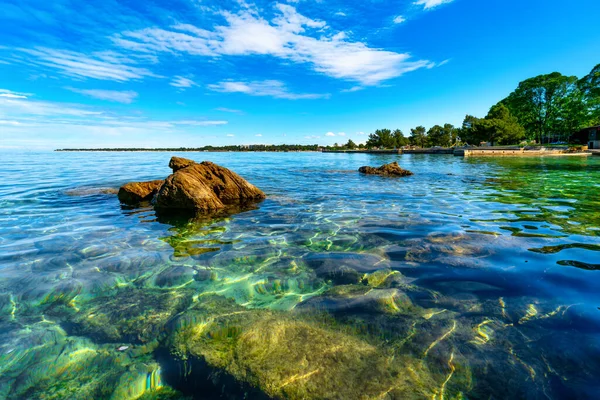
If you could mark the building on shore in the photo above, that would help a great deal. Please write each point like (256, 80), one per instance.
(589, 136)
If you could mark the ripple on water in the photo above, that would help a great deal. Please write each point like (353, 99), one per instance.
(462, 281)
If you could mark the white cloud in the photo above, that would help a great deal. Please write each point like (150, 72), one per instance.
(360, 133)
(429, 4)
(353, 89)
(229, 110)
(6, 122)
(198, 123)
(399, 19)
(290, 36)
(340, 14)
(28, 107)
(101, 65)
(258, 135)
(230, 135)
(13, 95)
(182, 82)
(342, 134)
(330, 134)
(271, 88)
(312, 137)
(126, 96)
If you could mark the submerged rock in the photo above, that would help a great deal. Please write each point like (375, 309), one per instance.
(91, 191)
(392, 169)
(204, 187)
(290, 358)
(129, 315)
(136, 192)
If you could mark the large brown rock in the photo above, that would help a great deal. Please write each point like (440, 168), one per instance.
(204, 187)
(178, 163)
(136, 192)
(392, 169)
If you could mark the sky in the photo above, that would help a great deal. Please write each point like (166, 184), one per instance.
(190, 73)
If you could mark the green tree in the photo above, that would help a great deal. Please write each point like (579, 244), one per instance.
(590, 86)
(399, 139)
(350, 145)
(443, 136)
(418, 136)
(381, 138)
(498, 127)
(466, 133)
(540, 104)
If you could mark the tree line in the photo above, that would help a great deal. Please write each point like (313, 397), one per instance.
(242, 148)
(545, 109)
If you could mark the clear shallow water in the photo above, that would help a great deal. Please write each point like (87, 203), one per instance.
(481, 275)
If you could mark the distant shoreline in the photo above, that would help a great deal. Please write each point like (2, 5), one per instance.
(188, 150)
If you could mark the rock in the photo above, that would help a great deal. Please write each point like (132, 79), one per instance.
(343, 268)
(91, 191)
(136, 192)
(204, 187)
(286, 357)
(392, 169)
(178, 163)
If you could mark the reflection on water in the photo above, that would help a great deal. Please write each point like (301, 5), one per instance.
(474, 278)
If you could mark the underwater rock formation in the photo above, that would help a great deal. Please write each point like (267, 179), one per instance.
(198, 187)
(391, 169)
(205, 187)
(287, 357)
(129, 315)
(135, 192)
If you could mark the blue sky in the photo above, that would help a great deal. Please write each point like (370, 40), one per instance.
(189, 73)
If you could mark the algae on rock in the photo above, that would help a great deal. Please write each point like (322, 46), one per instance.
(292, 356)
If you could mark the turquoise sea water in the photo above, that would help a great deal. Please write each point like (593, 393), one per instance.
(482, 274)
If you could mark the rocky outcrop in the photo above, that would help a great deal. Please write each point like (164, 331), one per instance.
(135, 192)
(198, 187)
(392, 169)
(205, 187)
(178, 163)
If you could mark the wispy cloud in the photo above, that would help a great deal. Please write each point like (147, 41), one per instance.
(230, 135)
(229, 110)
(429, 4)
(126, 96)
(27, 107)
(270, 88)
(399, 19)
(100, 65)
(330, 134)
(182, 82)
(7, 122)
(258, 135)
(13, 95)
(290, 36)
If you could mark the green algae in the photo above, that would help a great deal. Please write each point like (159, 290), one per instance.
(295, 357)
(130, 314)
(566, 246)
(57, 366)
(579, 264)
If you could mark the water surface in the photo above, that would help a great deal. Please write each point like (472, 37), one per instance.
(481, 274)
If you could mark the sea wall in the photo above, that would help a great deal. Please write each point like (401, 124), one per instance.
(516, 152)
